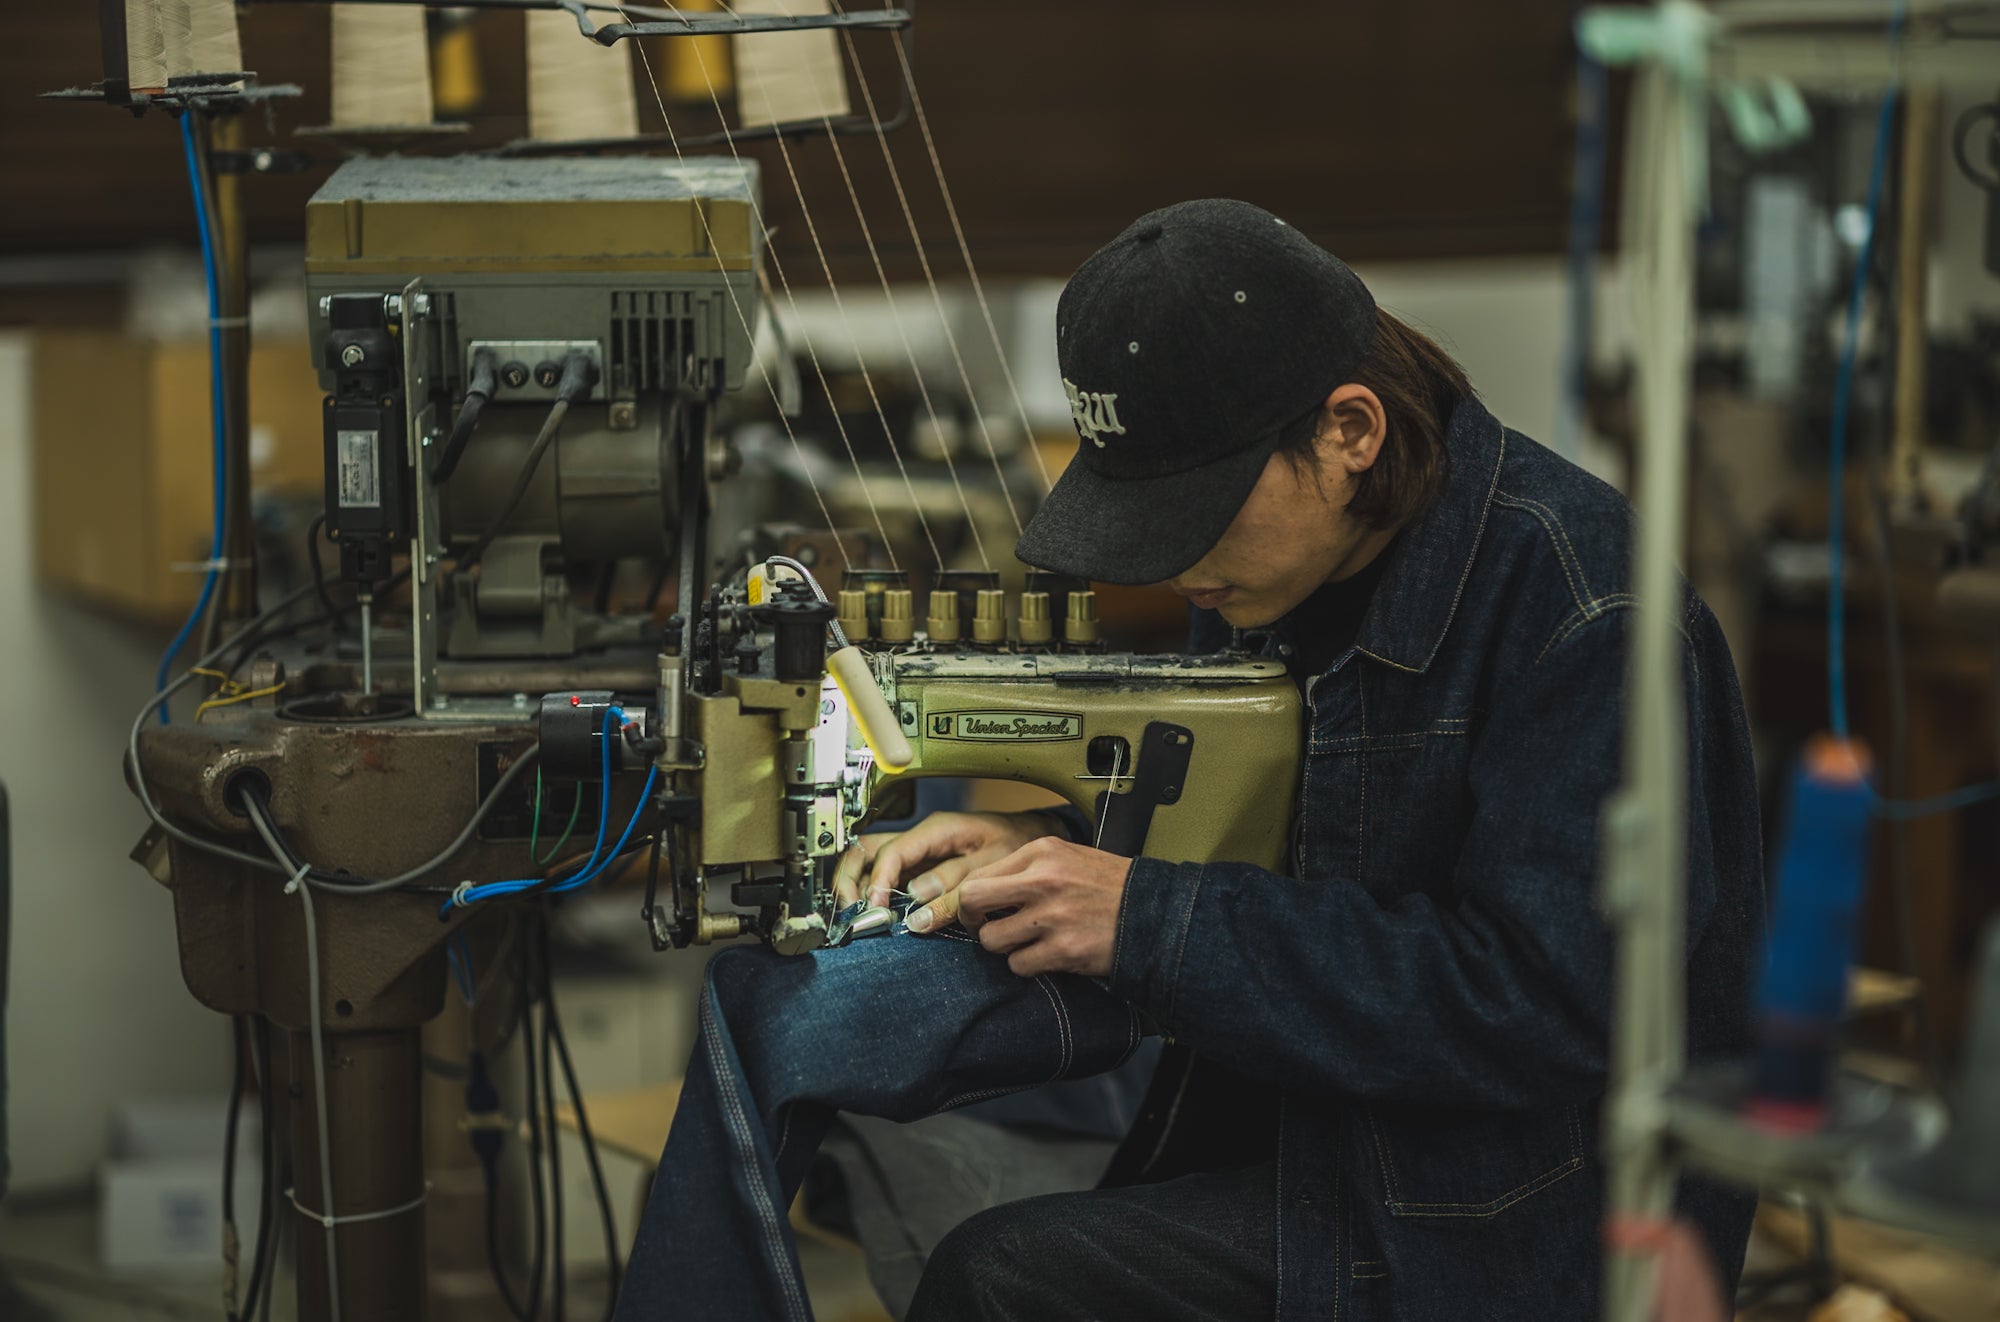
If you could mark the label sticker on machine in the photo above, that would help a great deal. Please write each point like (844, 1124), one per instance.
(359, 457)
(1004, 726)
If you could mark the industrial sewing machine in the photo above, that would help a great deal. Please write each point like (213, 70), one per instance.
(522, 361)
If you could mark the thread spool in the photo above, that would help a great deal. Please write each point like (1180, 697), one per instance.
(899, 612)
(214, 45)
(1080, 622)
(1037, 628)
(789, 77)
(1802, 995)
(145, 46)
(577, 89)
(176, 38)
(942, 624)
(381, 66)
(854, 614)
(989, 618)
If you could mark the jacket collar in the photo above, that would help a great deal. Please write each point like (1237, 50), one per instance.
(1420, 590)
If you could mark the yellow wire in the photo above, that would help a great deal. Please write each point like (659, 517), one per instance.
(237, 697)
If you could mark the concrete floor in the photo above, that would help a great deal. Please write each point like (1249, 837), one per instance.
(49, 1272)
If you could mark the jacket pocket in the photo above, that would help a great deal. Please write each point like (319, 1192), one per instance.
(1440, 1162)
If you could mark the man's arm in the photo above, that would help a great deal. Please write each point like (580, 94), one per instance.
(1501, 999)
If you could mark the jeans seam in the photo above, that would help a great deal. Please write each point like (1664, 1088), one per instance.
(739, 1123)
(1068, 1052)
(1572, 568)
(1494, 1206)
(1173, 987)
(1361, 805)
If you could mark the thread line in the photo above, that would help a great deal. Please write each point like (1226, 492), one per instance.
(785, 286)
(750, 334)
(930, 278)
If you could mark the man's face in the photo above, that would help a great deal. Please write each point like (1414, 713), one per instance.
(1294, 532)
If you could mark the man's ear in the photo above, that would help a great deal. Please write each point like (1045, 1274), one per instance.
(1358, 424)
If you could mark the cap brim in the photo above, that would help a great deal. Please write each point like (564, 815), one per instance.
(1139, 530)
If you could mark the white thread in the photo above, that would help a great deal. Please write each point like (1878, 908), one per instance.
(965, 251)
(1110, 793)
(381, 66)
(930, 279)
(743, 320)
(840, 308)
(459, 894)
(916, 372)
(577, 89)
(778, 269)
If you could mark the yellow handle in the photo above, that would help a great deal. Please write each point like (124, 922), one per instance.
(879, 725)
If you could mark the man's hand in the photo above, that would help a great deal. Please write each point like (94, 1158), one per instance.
(935, 854)
(1049, 906)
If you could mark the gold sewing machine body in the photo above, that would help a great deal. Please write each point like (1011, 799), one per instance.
(1175, 757)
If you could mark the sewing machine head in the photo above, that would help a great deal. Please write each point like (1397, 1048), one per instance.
(780, 753)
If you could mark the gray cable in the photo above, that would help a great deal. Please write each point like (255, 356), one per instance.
(522, 480)
(255, 810)
(323, 880)
(833, 625)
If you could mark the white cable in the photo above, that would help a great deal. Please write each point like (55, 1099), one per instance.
(327, 1221)
(839, 634)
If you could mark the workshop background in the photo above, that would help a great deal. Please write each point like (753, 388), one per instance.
(1449, 149)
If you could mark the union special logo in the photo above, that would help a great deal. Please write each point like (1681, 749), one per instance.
(1093, 412)
(1005, 726)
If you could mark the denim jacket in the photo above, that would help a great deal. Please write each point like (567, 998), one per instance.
(1431, 989)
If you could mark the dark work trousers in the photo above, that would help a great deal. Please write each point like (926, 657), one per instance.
(898, 1027)
(1202, 1248)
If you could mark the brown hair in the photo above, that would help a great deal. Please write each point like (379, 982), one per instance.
(1419, 385)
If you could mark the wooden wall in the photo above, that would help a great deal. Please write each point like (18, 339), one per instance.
(1385, 128)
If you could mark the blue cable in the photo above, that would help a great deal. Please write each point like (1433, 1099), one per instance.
(215, 402)
(1843, 390)
(1904, 810)
(645, 793)
(592, 867)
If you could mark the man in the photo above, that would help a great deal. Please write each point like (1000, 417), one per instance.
(1382, 1099)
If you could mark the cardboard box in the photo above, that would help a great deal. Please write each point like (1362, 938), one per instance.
(122, 460)
(160, 1192)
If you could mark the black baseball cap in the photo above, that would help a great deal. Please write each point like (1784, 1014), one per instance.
(1188, 344)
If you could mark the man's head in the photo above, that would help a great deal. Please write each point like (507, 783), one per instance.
(1251, 425)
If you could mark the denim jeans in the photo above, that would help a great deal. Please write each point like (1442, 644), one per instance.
(898, 1027)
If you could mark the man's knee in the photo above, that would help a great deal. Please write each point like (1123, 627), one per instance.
(1005, 1263)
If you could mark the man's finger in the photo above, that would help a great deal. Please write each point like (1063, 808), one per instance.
(935, 881)
(853, 865)
(926, 842)
(1002, 935)
(983, 895)
(938, 914)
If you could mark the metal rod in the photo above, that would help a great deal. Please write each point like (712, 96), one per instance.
(367, 643)
(239, 547)
(1645, 819)
(1906, 456)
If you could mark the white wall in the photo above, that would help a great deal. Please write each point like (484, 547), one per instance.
(96, 1011)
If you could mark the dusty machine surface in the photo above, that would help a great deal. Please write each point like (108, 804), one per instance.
(522, 360)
